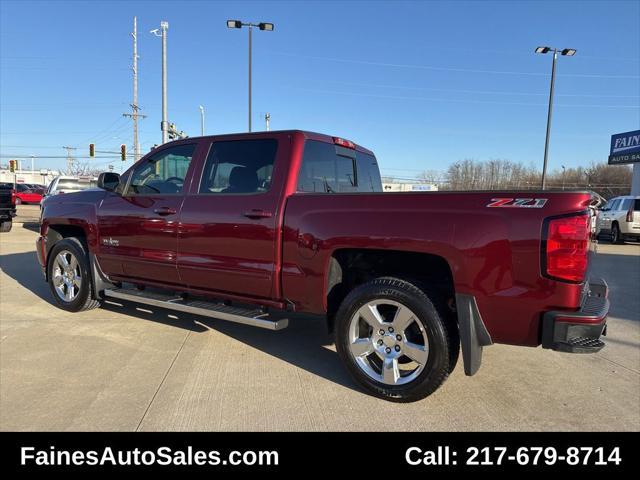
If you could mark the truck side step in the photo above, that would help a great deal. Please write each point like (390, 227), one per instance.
(253, 317)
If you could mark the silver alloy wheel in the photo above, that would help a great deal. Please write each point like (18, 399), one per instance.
(66, 276)
(387, 342)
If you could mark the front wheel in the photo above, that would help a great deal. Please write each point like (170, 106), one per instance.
(395, 340)
(69, 277)
(6, 226)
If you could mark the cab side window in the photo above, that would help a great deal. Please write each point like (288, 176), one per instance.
(327, 168)
(332, 168)
(239, 166)
(162, 173)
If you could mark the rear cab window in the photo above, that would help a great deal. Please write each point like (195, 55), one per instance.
(329, 168)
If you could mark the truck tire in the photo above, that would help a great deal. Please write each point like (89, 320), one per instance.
(6, 226)
(395, 340)
(69, 276)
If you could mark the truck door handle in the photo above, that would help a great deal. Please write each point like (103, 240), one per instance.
(165, 211)
(257, 213)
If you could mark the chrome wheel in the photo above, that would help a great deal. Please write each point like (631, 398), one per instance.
(387, 342)
(66, 276)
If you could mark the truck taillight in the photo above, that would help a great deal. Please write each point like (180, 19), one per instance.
(566, 249)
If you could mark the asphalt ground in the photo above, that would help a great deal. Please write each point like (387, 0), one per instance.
(123, 368)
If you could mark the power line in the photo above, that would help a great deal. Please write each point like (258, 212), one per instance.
(451, 69)
(452, 100)
(480, 92)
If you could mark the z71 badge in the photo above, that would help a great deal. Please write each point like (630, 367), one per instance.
(518, 202)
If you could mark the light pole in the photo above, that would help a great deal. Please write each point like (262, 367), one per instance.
(164, 125)
(563, 172)
(570, 52)
(267, 121)
(201, 120)
(262, 26)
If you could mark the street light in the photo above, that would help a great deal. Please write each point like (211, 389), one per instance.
(563, 172)
(262, 26)
(567, 52)
(201, 120)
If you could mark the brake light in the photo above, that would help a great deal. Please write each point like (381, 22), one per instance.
(630, 213)
(344, 143)
(567, 248)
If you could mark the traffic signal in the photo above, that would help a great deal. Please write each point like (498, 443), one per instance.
(12, 165)
(123, 152)
(92, 149)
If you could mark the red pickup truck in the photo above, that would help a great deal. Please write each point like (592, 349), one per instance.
(247, 227)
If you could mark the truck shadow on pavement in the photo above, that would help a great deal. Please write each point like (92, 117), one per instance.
(25, 269)
(303, 344)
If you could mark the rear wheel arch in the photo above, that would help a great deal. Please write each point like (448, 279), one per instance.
(349, 268)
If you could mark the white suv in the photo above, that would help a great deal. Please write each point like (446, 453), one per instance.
(620, 218)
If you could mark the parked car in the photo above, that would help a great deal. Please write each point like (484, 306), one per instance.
(7, 206)
(620, 219)
(297, 221)
(26, 194)
(41, 189)
(68, 184)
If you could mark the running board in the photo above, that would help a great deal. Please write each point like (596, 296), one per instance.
(255, 318)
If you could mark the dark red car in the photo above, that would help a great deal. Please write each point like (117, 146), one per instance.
(28, 194)
(246, 227)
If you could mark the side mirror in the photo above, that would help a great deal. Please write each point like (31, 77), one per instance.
(108, 181)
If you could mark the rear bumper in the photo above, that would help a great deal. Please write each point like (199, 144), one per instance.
(579, 331)
(7, 214)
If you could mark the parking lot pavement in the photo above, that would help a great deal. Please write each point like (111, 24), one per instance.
(116, 368)
(27, 214)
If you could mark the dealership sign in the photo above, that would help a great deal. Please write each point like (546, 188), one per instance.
(625, 148)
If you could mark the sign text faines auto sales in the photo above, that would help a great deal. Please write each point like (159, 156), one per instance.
(625, 148)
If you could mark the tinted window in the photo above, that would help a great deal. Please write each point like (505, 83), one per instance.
(614, 204)
(626, 204)
(241, 166)
(636, 205)
(162, 173)
(368, 173)
(327, 168)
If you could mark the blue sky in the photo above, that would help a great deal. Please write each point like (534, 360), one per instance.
(423, 84)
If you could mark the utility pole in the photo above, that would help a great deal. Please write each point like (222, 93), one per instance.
(134, 115)
(70, 159)
(267, 119)
(164, 26)
(201, 120)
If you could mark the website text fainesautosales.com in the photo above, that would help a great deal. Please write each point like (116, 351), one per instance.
(160, 456)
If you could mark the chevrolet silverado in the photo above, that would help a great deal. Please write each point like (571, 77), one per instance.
(246, 227)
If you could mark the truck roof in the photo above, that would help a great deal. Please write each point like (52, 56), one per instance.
(307, 135)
